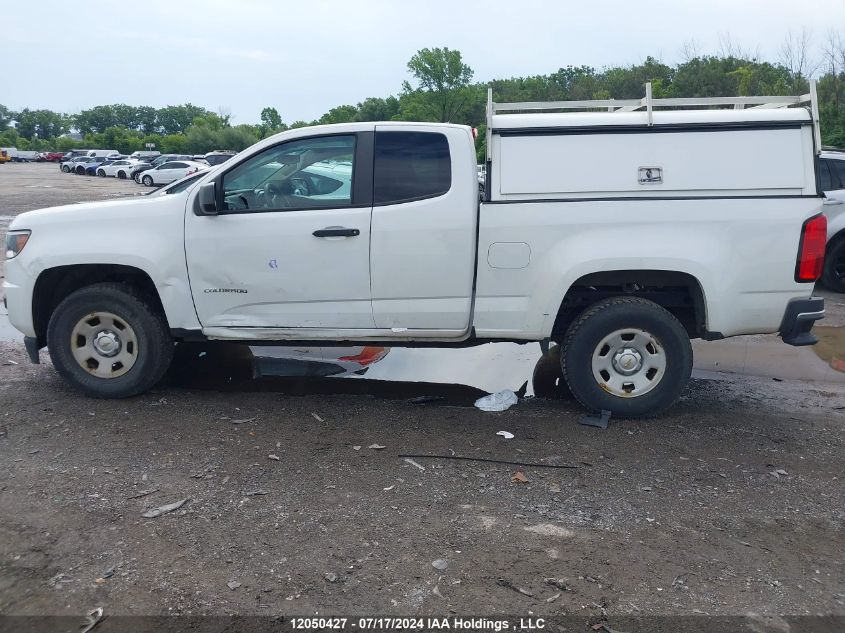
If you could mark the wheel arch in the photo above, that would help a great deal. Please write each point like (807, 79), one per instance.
(54, 284)
(681, 293)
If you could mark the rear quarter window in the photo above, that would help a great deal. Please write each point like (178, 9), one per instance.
(410, 166)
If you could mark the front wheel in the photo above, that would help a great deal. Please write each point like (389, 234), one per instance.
(101, 173)
(108, 341)
(833, 276)
(66, 169)
(627, 355)
(147, 180)
(121, 175)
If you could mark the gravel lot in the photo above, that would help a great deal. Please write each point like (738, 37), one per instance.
(732, 503)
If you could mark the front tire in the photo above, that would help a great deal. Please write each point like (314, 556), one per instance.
(833, 275)
(101, 173)
(108, 341)
(66, 169)
(627, 355)
(121, 175)
(147, 180)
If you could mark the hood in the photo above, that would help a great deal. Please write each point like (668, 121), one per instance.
(125, 210)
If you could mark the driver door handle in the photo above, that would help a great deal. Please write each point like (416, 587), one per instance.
(338, 232)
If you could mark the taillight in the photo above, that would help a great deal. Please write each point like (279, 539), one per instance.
(811, 249)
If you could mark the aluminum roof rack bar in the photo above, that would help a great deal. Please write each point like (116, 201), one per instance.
(630, 105)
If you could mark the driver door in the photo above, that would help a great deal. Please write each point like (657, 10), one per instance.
(291, 245)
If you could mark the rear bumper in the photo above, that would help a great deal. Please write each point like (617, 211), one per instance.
(798, 319)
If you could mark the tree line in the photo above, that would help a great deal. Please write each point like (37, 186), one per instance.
(441, 88)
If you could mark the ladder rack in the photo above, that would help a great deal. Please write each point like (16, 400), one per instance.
(649, 104)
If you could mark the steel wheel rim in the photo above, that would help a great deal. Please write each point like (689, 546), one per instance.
(629, 363)
(104, 345)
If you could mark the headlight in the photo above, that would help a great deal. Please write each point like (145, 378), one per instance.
(15, 241)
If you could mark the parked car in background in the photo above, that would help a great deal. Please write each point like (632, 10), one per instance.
(178, 186)
(91, 168)
(25, 156)
(169, 171)
(105, 153)
(9, 152)
(81, 168)
(832, 182)
(76, 152)
(218, 156)
(52, 157)
(144, 166)
(144, 155)
(69, 165)
(118, 168)
(4, 156)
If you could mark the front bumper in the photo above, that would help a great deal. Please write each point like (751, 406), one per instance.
(798, 319)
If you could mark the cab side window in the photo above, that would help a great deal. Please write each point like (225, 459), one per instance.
(410, 166)
(303, 174)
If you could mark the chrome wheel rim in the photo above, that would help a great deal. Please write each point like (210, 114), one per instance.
(629, 363)
(104, 345)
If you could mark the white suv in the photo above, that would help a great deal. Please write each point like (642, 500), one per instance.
(832, 182)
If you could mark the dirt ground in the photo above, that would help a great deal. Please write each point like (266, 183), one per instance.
(296, 499)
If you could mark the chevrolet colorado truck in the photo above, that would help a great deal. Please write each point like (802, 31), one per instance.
(619, 230)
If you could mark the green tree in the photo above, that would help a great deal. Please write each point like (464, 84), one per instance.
(340, 114)
(377, 109)
(175, 119)
(6, 117)
(43, 123)
(442, 84)
(271, 119)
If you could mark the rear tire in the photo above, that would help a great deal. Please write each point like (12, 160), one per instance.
(121, 175)
(101, 173)
(627, 355)
(137, 177)
(108, 341)
(147, 180)
(66, 169)
(547, 379)
(833, 275)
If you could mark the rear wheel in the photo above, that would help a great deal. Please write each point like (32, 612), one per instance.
(80, 171)
(627, 355)
(137, 177)
(65, 169)
(101, 173)
(547, 379)
(108, 341)
(833, 276)
(121, 175)
(147, 180)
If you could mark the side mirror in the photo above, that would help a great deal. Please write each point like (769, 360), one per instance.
(207, 200)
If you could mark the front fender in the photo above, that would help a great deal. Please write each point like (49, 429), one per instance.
(145, 233)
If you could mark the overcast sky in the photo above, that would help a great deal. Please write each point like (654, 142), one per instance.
(305, 57)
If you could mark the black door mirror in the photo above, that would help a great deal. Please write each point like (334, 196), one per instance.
(207, 200)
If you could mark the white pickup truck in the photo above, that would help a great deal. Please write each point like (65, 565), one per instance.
(618, 229)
